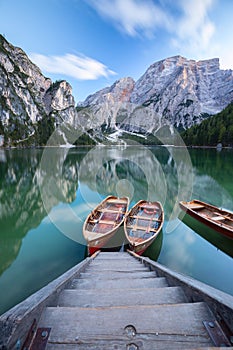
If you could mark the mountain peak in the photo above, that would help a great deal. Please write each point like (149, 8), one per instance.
(120, 91)
(180, 61)
(175, 91)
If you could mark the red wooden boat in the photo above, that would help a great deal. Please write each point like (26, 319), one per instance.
(215, 218)
(143, 224)
(103, 222)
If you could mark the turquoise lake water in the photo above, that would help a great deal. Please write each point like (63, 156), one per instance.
(45, 195)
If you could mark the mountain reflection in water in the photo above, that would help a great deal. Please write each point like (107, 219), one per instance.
(45, 196)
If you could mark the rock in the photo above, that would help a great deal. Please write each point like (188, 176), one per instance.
(27, 97)
(172, 92)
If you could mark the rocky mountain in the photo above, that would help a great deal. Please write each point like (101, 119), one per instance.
(30, 104)
(173, 92)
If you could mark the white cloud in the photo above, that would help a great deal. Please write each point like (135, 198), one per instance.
(132, 16)
(78, 67)
(226, 58)
(194, 30)
(189, 26)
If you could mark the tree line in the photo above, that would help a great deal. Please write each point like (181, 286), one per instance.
(214, 130)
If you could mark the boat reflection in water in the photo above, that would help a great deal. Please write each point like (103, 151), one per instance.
(153, 251)
(217, 239)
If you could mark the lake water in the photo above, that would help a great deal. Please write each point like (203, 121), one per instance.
(45, 195)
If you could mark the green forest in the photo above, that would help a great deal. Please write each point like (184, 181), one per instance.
(214, 130)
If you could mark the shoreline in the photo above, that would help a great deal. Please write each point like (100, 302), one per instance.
(114, 145)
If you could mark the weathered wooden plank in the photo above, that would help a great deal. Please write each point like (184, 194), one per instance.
(98, 311)
(115, 297)
(115, 256)
(182, 322)
(140, 343)
(117, 260)
(15, 323)
(112, 255)
(111, 275)
(220, 303)
(108, 262)
(116, 268)
(124, 259)
(126, 270)
(120, 283)
(118, 255)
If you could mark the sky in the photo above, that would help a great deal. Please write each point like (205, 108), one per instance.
(92, 43)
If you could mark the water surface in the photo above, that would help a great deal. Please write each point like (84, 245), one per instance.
(46, 195)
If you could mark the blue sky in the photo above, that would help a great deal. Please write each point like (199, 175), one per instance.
(92, 43)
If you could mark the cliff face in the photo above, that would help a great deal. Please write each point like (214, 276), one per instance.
(28, 98)
(173, 92)
(183, 90)
(102, 108)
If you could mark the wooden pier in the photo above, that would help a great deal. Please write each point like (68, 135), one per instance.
(116, 301)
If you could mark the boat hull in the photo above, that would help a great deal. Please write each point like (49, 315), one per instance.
(142, 248)
(103, 222)
(218, 226)
(99, 244)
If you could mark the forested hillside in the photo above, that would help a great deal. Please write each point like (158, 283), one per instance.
(213, 130)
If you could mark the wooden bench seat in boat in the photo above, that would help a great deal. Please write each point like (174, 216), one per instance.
(111, 211)
(143, 228)
(195, 206)
(108, 222)
(148, 207)
(217, 218)
(117, 201)
(144, 218)
(227, 217)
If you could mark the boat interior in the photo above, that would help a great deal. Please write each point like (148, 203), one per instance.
(212, 213)
(143, 222)
(107, 216)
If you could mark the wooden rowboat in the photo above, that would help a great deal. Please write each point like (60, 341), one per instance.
(103, 222)
(215, 218)
(143, 224)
